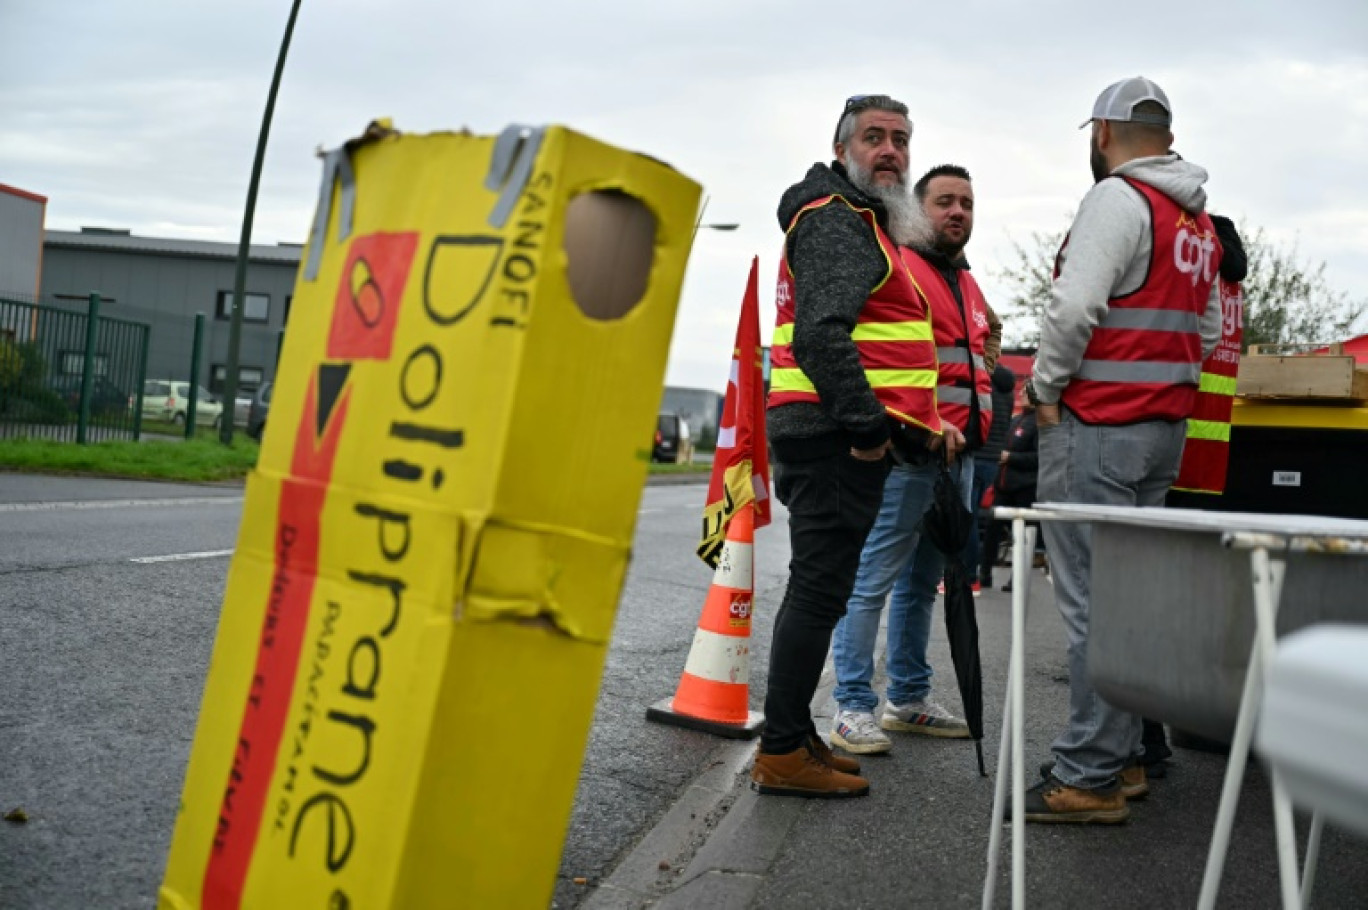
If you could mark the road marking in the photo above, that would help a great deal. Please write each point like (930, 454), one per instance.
(118, 503)
(177, 557)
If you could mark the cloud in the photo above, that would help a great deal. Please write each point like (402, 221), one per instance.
(146, 115)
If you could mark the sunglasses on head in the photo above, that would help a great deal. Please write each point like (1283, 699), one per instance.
(857, 104)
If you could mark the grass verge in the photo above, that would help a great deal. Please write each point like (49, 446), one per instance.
(169, 428)
(200, 459)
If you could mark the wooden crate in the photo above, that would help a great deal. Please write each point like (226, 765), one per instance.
(1325, 374)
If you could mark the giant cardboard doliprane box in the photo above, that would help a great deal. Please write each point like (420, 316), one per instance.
(437, 531)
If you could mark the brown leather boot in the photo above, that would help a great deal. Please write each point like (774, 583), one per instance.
(1053, 801)
(841, 763)
(1134, 782)
(1133, 778)
(800, 773)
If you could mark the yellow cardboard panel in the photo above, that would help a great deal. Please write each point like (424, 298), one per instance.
(438, 528)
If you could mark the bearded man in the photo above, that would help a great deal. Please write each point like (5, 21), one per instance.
(852, 385)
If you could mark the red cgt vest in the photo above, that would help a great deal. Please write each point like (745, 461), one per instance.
(892, 335)
(1145, 357)
(1207, 451)
(960, 338)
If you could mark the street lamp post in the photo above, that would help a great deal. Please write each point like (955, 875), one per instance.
(713, 226)
(230, 378)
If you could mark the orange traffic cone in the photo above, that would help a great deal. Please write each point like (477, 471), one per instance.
(714, 690)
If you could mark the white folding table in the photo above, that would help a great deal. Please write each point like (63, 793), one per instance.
(1268, 538)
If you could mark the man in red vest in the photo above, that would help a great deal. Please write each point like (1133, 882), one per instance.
(897, 557)
(852, 380)
(1133, 313)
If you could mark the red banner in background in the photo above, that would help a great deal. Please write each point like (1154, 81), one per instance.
(740, 472)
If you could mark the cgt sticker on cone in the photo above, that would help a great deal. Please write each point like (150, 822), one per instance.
(714, 689)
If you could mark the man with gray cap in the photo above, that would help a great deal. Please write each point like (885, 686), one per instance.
(1133, 312)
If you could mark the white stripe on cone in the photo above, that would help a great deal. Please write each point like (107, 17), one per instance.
(719, 658)
(735, 566)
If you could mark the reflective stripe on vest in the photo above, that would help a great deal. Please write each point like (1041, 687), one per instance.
(1151, 320)
(960, 355)
(1212, 384)
(1143, 361)
(1139, 371)
(961, 335)
(1208, 429)
(870, 331)
(893, 337)
(796, 379)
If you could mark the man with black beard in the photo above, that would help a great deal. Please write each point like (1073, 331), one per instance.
(852, 378)
(897, 557)
(1133, 312)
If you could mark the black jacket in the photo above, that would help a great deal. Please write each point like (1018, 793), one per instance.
(1004, 392)
(1234, 263)
(1023, 458)
(836, 263)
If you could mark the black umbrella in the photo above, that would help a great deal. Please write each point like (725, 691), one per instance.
(948, 523)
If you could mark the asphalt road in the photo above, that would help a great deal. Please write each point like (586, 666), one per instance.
(102, 661)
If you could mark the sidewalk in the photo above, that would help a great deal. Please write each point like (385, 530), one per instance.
(920, 838)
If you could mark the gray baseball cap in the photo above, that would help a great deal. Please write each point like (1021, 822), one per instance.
(1118, 101)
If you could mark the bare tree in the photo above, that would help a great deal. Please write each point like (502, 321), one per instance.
(1289, 301)
(1030, 275)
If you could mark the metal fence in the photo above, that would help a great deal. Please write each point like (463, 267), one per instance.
(70, 376)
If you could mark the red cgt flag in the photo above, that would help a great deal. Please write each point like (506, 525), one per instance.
(740, 473)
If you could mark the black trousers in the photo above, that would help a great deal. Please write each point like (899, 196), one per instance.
(832, 505)
(997, 530)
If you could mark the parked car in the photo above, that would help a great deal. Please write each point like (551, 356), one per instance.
(673, 444)
(168, 399)
(256, 414)
(105, 396)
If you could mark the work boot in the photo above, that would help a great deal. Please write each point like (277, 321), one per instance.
(800, 773)
(1054, 802)
(858, 732)
(841, 763)
(1133, 781)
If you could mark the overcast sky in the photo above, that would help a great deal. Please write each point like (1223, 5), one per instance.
(143, 114)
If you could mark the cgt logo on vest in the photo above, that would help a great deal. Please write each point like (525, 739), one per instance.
(783, 291)
(1192, 249)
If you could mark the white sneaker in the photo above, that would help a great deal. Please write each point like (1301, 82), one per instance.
(857, 732)
(924, 717)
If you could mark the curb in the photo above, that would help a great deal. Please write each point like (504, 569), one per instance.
(666, 480)
(719, 832)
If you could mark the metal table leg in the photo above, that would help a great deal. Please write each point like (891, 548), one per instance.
(1267, 581)
(1013, 727)
(1312, 858)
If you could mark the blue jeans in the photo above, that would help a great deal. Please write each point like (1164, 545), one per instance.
(985, 473)
(1130, 465)
(898, 558)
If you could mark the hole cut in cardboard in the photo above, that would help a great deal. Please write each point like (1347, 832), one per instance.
(610, 249)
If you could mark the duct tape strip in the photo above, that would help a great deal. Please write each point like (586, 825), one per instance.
(510, 168)
(337, 168)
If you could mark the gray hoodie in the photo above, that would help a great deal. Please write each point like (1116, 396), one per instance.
(1108, 255)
